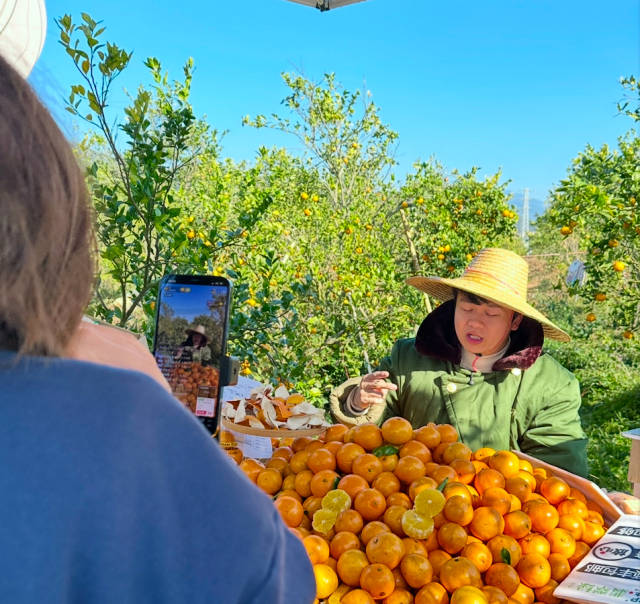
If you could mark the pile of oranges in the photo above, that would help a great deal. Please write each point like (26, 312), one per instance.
(399, 516)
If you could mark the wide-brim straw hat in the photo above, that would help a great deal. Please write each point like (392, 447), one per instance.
(198, 329)
(498, 275)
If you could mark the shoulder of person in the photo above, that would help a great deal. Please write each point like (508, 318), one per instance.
(549, 367)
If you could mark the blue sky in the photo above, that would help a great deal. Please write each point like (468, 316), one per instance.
(521, 85)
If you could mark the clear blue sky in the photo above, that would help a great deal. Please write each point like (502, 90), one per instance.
(521, 85)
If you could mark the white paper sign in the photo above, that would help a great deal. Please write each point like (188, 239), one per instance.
(256, 447)
(239, 391)
(205, 406)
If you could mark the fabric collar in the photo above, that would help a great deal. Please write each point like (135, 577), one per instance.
(437, 338)
(483, 364)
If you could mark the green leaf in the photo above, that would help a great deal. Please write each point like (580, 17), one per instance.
(385, 450)
(443, 484)
(505, 555)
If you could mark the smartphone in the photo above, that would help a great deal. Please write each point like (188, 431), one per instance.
(190, 341)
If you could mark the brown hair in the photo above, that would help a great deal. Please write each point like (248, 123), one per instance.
(46, 237)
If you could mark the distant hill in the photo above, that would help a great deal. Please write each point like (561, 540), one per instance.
(536, 206)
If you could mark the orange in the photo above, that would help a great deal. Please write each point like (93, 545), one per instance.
(349, 520)
(302, 483)
(417, 449)
(352, 484)
(280, 464)
(535, 543)
(399, 499)
(457, 488)
(517, 524)
(313, 445)
(389, 462)
(326, 580)
(448, 433)
(368, 436)
(370, 503)
(333, 445)
(544, 516)
(284, 452)
(456, 450)
(494, 595)
(459, 572)
(414, 546)
(438, 557)
(582, 549)
(393, 519)
(499, 543)
(422, 484)
(443, 472)
(371, 529)
(335, 432)
(554, 490)
(312, 505)
(534, 570)
(577, 494)
(595, 517)
(288, 484)
(269, 480)
(506, 462)
(367, 465)
(399, 596)
(399, 579)
(357, 596)
(298, 461)
(464, 469)
(386, 483)
(348, 435)
(439, 450)
(526, 466)
(385, 548)
(573, 506)
(561, 542)
(251, 467)
(594, 507)
(431, 593)
(317, 549)
(479, 554)
(409, 468)
(428, 435)
(378, 580)
(483, 454)
(458, 509)
(350, 564)
(497, 498)
(522, 595)
(343, 541)
(468, 595)
(346, 454)
(486, 523)
(323, 482)
(452, 537)
(321, 459)
(518, 486)
(290, 510)
(545, 595)
(592, 532)
(503, 576)
(486, 478)
(572, 523)
(396, 431)
(300, 443)
(416, 570)
(560, 567)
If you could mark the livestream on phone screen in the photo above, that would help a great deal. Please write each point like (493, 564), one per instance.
(189, 342)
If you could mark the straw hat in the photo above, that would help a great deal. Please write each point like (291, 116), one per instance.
(499, 276)
(198, 329)
(23, 27)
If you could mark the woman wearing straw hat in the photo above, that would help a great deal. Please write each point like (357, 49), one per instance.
(476, 362)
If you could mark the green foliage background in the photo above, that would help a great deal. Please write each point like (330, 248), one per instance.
(318, 245)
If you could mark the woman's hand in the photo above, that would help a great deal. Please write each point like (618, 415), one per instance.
(373, 390)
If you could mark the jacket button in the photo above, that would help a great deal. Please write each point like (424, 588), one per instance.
(451, 387)
(516, 371)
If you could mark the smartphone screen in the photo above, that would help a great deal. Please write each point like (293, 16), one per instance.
(192, 314)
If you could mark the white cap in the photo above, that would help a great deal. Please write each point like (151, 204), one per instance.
(23, 27)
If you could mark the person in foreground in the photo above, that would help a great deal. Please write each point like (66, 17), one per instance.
(111, 490)
(477, 363)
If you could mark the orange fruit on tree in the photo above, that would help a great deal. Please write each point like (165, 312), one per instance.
(432, 593)
(428, 435)
(544, 516)
(349, 520)
(370, 503)
(385, 548)
(506, 462)
(503, 576)
(535, 543)
(517, 524)
(335, 432)
(326, 580)
(458, 509)
(396, 431)
(452, 537)
(561, 542)
(409, 468)
(323, 482)
(371, 529)
(459, 572)
(448, 433)
(368, 436)
(416, 570)
(417, 449)
(341, 542)
(352, 484)
(317, 549)
(378, 580)
(350, 565)
(357, 596)
(479, 554)
(346, 454)
(269, 480)
(367, 465)
(290, 510)
(504, 549)
(486, 523)
(534, 570)
(487, 478)
(321, 459)
(554, 490)
(560, 566)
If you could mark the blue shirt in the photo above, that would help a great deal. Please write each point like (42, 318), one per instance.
(111, 492)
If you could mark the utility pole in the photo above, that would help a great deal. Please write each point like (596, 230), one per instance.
(524, 219)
